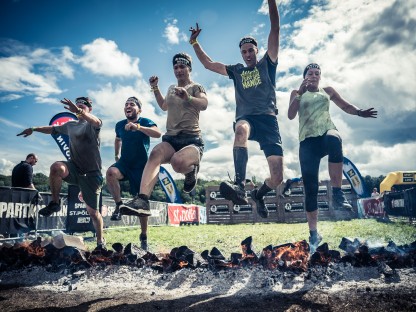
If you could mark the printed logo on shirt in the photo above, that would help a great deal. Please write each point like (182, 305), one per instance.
(250, 78)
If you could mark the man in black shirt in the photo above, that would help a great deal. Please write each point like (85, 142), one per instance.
(22, 174)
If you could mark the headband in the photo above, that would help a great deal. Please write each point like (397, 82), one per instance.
(182, 61)
(248, 40)
(135, 100)
(83, 100)
(312, 65)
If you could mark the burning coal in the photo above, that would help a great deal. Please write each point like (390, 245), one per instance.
(66, 252)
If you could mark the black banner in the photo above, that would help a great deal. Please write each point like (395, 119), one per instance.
(19, 211)
(78, 219)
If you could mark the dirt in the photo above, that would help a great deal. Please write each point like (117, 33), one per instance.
(339, 287)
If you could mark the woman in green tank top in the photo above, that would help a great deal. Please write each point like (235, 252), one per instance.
(319, 137)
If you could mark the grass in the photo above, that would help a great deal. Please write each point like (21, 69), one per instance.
(227, 238)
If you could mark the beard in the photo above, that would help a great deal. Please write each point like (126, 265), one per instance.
(132, 117)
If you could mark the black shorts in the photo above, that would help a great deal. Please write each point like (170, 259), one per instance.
(264, 129)
(180, 141)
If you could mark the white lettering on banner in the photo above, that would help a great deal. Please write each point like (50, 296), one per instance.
(83, 220)
(62, 142)
(80, 205)
(184, 215)
(24, 210)
(79, 213)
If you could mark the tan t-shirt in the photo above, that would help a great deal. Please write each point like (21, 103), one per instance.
(183, 117)
(314, 118)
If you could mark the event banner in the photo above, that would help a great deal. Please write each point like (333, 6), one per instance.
(19, 211)
(169, 186)
(62, 139)
(354, 177)
(78, 219)
(180, 214)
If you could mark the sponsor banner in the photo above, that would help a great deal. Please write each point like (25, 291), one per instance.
(371, 207)
(62, 139)
(178, 214)
(354, 177)
(19, 211)
(78, 219)
(169, 186)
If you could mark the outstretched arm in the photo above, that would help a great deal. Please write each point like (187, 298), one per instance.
(29, 131)
(273, 41)
(349, 108)
(202, 56)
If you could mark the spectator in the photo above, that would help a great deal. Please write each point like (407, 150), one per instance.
(22, 174)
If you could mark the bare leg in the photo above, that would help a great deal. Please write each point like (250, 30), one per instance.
(276, 171)
(335, 173)
(312, 218)
(160, 154)
(143, 225)
(184, 161)
(58, 171)
(113, 177)
(97, 221)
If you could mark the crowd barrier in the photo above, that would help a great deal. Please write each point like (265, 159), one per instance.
(19, 212)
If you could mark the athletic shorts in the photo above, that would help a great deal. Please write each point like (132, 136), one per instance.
(264, 129)
(180, 141)
(89, 184)
(133, 175)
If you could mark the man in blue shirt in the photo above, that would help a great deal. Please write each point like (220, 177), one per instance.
(131, 148)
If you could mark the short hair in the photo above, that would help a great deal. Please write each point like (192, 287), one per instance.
(30, 155)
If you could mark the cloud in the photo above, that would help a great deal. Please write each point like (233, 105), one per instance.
(25, 71)
(9, 123)
(103, 57)
(172, 32)
(10, 97)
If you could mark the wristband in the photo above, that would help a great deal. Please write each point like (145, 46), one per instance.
(298, 96)
(189, 98)
(193, 42)
(154, 89)
(33, 128)
(359, 112)
(138, 126)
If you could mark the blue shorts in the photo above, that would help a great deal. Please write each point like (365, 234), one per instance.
(264, 129)
(133, 175)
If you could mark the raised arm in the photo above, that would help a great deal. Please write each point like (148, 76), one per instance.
(154, 80)
(208, 63)
(273, 41)
(349, 108)
(82, 113)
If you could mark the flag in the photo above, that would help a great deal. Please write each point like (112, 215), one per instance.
(169, 186)
(354, 177)
(62, 139)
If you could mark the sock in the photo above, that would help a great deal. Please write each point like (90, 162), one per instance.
(336, 190)
(119, 203)
(143, 196)
(143, 236)
(263, 190)
(240, 164)
(313, 233)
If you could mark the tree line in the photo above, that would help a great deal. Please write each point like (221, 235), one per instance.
(197, 197)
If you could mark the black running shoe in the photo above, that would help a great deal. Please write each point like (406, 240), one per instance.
(50, 209)
(191, 178)
(261, 207)
(116, 216)
(339, 201)
(136, 207)
(143, 242)
(233, 192)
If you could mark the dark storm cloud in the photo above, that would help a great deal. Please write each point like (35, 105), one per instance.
(394, 26)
